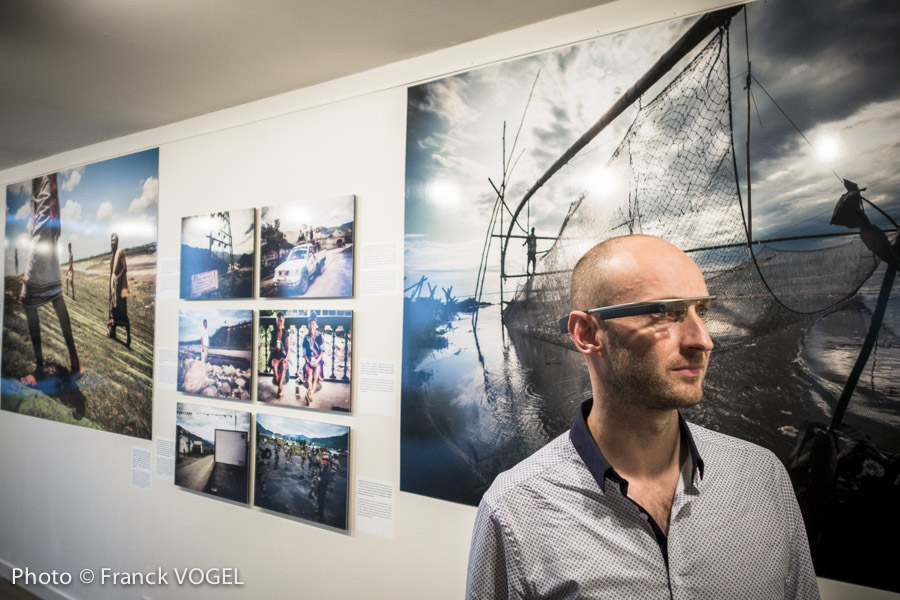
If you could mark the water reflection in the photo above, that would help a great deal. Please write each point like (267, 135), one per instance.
(466, 418)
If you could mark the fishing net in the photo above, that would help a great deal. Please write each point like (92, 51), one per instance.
(678, 160)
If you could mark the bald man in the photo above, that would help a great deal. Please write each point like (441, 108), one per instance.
(633, 501)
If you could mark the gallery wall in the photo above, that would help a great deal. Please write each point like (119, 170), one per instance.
(66, 499)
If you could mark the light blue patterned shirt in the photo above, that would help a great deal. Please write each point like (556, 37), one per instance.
(561, 525)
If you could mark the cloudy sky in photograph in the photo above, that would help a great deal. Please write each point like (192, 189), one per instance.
(833, 70)
(311, 429)
(194, 230)
(327, 212)
(118, 195)
(190, 322)
(204, 420)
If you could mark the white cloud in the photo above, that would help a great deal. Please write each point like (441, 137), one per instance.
(149, 196)
(23, 241)
(24, 211)
(105, 212)
(23, 187)
(71, 179)
(71, 211)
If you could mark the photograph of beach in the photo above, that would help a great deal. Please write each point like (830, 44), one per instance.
(516, 169)
(215, 353)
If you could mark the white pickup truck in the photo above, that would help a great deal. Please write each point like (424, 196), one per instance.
(300, 266)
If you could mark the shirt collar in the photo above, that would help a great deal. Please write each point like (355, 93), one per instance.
(597, 464)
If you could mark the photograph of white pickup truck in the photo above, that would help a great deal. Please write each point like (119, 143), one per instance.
(297, 271)
(306, 249)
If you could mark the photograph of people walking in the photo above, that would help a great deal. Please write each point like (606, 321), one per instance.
(301, 469)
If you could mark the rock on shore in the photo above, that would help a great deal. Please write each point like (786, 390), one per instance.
(196, 377)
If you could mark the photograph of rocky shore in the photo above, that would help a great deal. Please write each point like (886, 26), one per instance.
(215, 349)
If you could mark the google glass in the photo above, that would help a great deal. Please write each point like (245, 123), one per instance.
(669, 308)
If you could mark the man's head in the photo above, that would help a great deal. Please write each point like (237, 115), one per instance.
(204, 323)
(312, 325)
(114, 241)
(279, 320)
(655, 361)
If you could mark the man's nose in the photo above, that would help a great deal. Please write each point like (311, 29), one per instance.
(694, 332)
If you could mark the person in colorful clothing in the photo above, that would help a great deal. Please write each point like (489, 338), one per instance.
(279, 347)
(313, 355)
(42, 283)
(118, 291)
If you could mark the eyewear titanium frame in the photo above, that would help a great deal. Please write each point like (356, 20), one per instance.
(632, 309)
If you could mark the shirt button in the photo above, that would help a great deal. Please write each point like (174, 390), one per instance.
(645, 516)
(678, 580)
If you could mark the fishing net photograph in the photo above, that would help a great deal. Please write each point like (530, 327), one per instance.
(762, 141)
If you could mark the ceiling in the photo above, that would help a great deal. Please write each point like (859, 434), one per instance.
(77, 72)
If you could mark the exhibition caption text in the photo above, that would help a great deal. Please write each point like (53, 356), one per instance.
(108, 576)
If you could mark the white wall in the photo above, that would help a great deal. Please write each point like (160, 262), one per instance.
(66, 502)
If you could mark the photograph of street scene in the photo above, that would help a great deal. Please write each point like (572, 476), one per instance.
(215, 353)
(301, 469)
(79, 295)
(306, 249)
(304, 358)
(213, 449)
(217, 255)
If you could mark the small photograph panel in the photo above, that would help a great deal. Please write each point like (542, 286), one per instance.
(217, 255)
(213, 449)
(304, 358)
(306, 249)
(215, 353)
(302, 469)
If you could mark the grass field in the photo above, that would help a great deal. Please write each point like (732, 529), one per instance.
(116, 392)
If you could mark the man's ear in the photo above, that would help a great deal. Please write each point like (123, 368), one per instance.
(584, 333)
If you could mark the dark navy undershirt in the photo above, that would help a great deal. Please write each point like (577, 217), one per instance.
(600, 468)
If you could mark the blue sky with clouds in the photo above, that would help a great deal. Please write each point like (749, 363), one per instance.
(243, 228)
(311, 429)
(117, 195)
(190, 321)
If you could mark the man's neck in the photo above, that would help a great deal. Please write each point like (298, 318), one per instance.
(638, 443)
(645, 448)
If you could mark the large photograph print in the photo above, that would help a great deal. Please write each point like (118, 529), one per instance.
(217, 255)
(304, 358)
(215, 353)
(306, 249)
(513, 171)
(301, 469)
(79, 295)
(213, 450)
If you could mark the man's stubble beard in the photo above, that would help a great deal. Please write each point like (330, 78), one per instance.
(637, 380)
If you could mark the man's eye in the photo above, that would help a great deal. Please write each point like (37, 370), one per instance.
(702, 312)
(672, 315)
